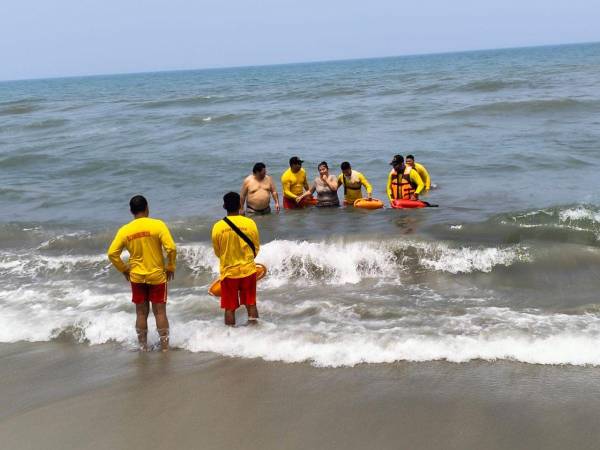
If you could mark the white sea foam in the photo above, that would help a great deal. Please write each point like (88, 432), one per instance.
(33, 264)
(331, 335)
(342, 262)
(579, 213)
(466, 260)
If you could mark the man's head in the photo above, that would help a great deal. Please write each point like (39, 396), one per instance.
(295, 164)
(259, 170)
(231, 202)
(346, 169)
(410, 160)
(138, 205)
(397, 162)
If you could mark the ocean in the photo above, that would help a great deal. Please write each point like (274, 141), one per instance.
(506, 268)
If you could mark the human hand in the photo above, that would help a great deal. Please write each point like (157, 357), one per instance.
(299, 198)
(414, 197)
(277, 209)
(170, 275)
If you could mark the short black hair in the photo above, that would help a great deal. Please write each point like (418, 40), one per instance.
(138, 204)
(410, 157)
(258, 167)
(323, 163)
(231, 202)
(345, 165)
(295, 160)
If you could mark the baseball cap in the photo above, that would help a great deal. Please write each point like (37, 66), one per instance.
(295, 160)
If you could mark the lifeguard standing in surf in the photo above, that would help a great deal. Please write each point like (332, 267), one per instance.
(294, 185)
(404, 182)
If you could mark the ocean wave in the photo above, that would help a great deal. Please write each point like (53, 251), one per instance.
(45, 124)
(188, 102)
(527, 107)
(339, 263)
(492, 85)
(577, 218)
(36, 265)
(15, 161)
(204, 120)
(337, 338)
(19, 107)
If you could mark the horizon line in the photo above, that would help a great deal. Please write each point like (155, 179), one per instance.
(248, 66)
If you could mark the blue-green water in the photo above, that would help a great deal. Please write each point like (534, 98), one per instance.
(506, 267)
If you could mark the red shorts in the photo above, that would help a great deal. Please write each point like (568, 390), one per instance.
(238, 291)
(289, 203)
(142, 292)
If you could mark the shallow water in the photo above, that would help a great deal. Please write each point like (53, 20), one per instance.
(506, 267)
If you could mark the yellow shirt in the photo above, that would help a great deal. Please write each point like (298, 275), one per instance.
(415, 179)
(144, 239)
(420, 168)
(353, 185)
(235, 256)
(293, 184)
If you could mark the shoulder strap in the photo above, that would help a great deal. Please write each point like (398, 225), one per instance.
(241, 234)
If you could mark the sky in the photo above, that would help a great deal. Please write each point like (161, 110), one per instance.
(53, 38)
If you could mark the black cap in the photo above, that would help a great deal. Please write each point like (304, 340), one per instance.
(295, 160)
(398, 159)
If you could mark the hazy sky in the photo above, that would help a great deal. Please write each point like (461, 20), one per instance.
(47, 38)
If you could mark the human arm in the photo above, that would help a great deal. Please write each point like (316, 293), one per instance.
(286, 187)
(114, 254)
(415, 178)
(275, 195)
(426, 178)
(255, 238)
(243, 194)
(363, 180)
(168, 244)
(331, 182)
(215, 240)
(307, 193)
(389, 186)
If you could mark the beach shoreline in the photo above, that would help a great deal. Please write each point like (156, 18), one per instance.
(65, 395)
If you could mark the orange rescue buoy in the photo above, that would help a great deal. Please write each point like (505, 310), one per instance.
(368, 204)
(215, 286)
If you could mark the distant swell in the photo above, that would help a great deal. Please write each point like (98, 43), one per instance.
(527, 107)
(177, 102)
(491, 85)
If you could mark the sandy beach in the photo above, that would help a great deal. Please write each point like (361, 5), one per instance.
(67, 396)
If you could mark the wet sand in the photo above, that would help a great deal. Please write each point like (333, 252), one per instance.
(67, 396)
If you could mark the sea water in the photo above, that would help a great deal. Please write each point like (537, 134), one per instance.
(506, 268)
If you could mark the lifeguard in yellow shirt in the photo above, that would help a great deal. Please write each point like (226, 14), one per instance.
(294, 184)
(145, 238)
(404, 182)
(236, 243)
(420, 168)
(353, 182)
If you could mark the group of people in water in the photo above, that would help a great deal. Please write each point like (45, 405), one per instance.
(235, 238)
(407, 180)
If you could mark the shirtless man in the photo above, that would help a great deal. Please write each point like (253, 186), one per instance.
(257, 190)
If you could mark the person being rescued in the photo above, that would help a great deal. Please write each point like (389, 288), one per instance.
(353, 182)
(326, 186)
(404, 182)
